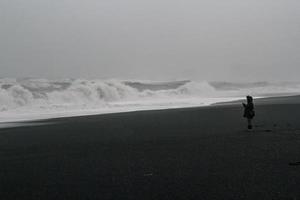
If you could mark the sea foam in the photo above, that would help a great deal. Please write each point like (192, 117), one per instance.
(27, 99)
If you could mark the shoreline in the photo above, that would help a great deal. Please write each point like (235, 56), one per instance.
(22, 122)
(89, 112)
(264, 100)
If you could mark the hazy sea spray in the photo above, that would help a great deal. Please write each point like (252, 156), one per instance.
(34, 92)
(41, 95)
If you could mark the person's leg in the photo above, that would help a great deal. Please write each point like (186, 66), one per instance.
(249, 123)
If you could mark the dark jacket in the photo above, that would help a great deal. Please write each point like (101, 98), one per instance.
(249, 110)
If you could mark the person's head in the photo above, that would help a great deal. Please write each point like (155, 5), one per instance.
(249, 99)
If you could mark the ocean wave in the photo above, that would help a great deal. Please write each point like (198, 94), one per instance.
(42, 95)
(34, 92)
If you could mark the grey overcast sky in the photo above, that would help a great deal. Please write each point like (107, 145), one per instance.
(229, 40)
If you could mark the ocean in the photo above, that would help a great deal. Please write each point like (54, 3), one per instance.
(32, 98)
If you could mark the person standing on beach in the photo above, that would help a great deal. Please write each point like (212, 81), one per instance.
(249, 112)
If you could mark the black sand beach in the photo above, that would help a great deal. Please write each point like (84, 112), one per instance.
(191, 153)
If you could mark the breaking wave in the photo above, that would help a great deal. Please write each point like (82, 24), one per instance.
(46, 93)
(39, 96)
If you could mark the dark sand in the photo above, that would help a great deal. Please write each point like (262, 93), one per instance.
(191, 153)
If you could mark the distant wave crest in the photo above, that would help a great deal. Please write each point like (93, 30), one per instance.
(39, 95)
(41, 92)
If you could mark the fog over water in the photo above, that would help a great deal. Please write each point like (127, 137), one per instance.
(74, 57)
(214, 40)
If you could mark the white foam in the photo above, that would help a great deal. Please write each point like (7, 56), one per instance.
(21, 116)
(30, 99)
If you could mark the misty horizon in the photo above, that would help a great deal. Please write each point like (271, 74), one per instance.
(158, 40)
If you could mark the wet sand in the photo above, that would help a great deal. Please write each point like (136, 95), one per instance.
(190, 153)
